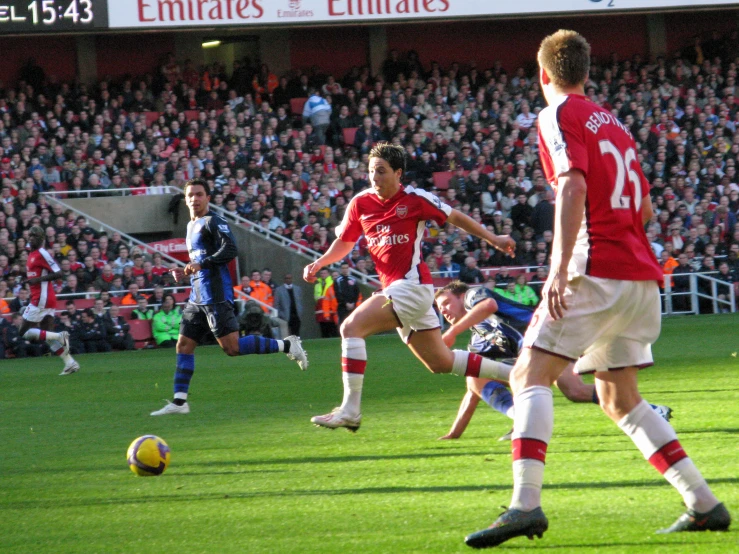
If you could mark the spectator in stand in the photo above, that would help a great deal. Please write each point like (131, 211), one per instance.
(132, 297)
(165, 326)
(156, 298)
(348, 294)
(470, 273)
(122, 261)
(19, 303)
(448, 269)
(143, 310)
(93, 333)
(267, 279)
(680, 300)
(318, 111)
(326, 305)
(259, 290)
(72, 289)
(158, 268)
(119, 335)
(98, 308)
(288, 302)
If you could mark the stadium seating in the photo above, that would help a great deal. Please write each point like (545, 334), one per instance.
(141, 333)
(349, 134)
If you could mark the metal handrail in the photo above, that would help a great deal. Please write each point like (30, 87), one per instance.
(110, 192)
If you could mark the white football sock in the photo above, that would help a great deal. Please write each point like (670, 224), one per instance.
(468, 364)
(657, 441)
(532, 431)
(353, 361)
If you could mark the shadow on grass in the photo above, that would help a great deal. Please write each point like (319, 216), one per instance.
(344, 459)
(595, 546)
(710, 430)
(157, 498)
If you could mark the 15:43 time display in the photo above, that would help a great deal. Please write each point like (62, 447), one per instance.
(48, 11)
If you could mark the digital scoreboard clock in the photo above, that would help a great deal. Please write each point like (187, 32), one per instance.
(52, 16)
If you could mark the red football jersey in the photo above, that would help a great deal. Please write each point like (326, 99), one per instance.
(394, 229)
(575, 133)
(41, 263)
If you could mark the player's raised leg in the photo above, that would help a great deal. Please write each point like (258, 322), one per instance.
(373, 316)
(58, 342)
(430, 349)
(658, 442)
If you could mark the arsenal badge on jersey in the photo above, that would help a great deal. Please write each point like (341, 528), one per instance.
(401, 211)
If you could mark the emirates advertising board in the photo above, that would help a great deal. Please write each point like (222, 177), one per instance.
(207, 13)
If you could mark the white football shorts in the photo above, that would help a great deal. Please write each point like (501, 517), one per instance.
(34, 314)
(610, 324)
(413, 305)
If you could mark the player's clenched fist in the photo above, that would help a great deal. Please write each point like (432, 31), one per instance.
(310, 272)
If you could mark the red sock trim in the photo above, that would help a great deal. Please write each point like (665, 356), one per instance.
(348, 365)
(59, 352)
(667, 456)
(474, 361)
(42, 335)
(533, 449)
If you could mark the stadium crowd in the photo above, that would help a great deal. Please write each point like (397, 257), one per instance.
(289, 152)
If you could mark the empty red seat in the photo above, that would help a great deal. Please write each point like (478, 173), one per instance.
(349, 134)
(141, 332)
(296, 105)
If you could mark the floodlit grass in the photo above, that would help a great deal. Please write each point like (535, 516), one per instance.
(250, 474)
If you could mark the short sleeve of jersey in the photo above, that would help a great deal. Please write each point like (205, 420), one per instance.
(561, 133)
(350, 229)
(46, 261)
(432, 208)
(474, 296)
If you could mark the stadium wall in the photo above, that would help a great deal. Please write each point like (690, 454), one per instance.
(258, 252)
(131, 214)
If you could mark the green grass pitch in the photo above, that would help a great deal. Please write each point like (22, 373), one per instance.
(249, 474)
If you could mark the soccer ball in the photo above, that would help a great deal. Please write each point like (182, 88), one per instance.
(148, 456)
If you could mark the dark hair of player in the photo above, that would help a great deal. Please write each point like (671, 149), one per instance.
(198, 182)
(565, 56)
(457, 288)
(37, 231)
(393, 155)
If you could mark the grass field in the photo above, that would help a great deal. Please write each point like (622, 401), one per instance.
(250, 474)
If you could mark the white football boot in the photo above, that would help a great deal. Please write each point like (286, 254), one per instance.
(337, 418)
(71, 367)
(171, 408)
(296, 352)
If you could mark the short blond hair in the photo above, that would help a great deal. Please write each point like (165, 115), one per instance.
(565, 56)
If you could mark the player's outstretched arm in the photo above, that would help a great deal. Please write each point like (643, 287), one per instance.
(504, 243)
(480, 312)
(338, 250)
(464, 415)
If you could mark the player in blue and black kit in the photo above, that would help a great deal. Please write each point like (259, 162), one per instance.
(497, 325)
(211, 247)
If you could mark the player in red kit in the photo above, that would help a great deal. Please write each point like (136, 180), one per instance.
(601, 304)
(38, 318)
(393, 219)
